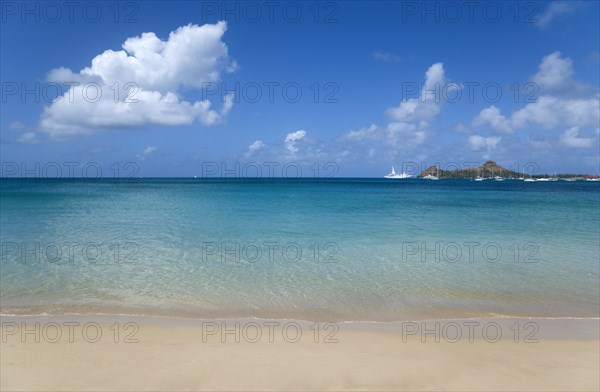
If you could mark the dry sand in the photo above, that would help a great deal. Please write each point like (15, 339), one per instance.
(195, 355)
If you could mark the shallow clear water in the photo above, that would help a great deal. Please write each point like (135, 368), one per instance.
(343, 249)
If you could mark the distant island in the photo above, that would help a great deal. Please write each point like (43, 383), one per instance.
(491, 169)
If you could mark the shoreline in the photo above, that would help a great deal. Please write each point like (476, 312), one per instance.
(301, 316)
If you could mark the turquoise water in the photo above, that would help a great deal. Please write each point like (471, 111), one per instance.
(342, 249)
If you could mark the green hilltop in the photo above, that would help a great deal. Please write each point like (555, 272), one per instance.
(488, 169)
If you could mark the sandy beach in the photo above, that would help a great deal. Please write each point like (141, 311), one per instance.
(121, 353)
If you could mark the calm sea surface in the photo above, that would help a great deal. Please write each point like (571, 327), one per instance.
(341, 249)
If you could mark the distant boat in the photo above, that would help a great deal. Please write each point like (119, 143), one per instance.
(543, 179)
(479, 177)
(431, 176)
(498, 178)
(397, 176)
(592, 179)
(528, 179)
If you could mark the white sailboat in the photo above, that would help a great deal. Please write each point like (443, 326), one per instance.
(397, 176)
(479, 177)
(431, 176)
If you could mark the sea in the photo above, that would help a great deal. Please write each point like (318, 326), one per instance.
(337, 249)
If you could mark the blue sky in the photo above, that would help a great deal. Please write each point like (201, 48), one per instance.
(381, 83)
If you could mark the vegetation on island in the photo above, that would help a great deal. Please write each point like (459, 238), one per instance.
(487, 170)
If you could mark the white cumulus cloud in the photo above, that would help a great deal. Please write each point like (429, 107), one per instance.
(140, 85)
(255, 147)
(494, 119)
(147, 152)
(408, 128)
(362, 134)
(562, 102)
(554, 71)
(478, 142)
(428, 105)
(552, 112)
(571, 138)
(293, 139)
(555, 10)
